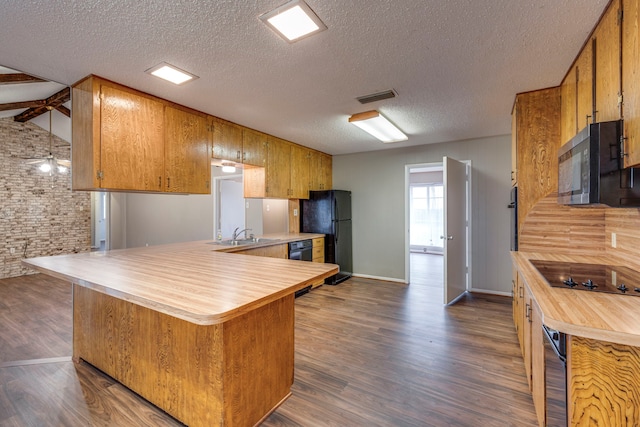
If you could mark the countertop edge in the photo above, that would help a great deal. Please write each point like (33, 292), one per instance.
(551, 306)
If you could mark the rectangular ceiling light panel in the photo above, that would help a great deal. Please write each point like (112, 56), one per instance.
(171, 73)
(378, 126)
(293, 21)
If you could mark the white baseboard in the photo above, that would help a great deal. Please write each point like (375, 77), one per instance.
(491, 292)
(385, 279)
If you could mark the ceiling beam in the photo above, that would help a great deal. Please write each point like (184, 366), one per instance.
(64, 110)
(15, 78)
(56, 100)
(21, 105)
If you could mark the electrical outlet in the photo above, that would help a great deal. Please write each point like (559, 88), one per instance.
(613, 240)
(295, 212)
(12, 251)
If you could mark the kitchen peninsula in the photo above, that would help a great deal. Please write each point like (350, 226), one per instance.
(207, 336)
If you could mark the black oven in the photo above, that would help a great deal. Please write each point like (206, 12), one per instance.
(555, 373)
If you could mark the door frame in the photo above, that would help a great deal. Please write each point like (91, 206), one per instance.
(407, 218)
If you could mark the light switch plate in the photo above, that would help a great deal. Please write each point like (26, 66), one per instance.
(613, 240)
(295, 212)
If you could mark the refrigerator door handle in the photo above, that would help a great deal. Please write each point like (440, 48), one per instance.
(337, 227)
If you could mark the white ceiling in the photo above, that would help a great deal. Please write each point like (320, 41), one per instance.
(456, 65)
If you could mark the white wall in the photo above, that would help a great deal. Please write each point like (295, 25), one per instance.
(376, 180)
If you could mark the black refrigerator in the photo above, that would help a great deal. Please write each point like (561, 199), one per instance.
(329, 212)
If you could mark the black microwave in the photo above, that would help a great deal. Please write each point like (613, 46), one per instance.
(591, 171)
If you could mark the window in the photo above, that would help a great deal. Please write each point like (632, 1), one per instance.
(427, 221)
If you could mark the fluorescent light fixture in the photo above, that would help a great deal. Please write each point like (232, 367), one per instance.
(378, 126)
(293, 21)
(228, 167)
(171, 73)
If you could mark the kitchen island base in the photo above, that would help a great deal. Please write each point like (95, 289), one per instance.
(233, 373)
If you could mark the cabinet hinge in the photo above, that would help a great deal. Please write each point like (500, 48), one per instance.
(620, 99)
(100, 175)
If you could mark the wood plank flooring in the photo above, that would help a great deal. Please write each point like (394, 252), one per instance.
(368, 353)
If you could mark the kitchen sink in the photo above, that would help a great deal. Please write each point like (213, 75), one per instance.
(242, 242)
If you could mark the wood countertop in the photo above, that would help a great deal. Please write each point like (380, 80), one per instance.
(604, 317)
(194, 281)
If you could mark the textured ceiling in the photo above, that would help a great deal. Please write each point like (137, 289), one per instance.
(456, 65)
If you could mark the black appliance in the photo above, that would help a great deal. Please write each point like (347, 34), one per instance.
(555, 367)
(513, 205)
(301, 250)
(612, 279)
(329, 212)
(590, 169)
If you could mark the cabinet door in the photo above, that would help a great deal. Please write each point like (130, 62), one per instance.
(187, 156)
(584, 94)
(526, 334)
(631, 82)
(568, 107)
(320, 166)
(300, 171)
(537, 363)
(227, 141)
(278, 171)
(254, 148)
(607, 55)
(131, 141)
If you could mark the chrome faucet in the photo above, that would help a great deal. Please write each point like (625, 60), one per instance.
(236, 233)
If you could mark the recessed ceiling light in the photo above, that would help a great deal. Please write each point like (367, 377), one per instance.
(171, 73)
(378, 126)
(293, 21)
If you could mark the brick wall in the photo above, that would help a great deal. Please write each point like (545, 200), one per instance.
(39, 215)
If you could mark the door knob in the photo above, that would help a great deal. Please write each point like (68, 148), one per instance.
(448, 237)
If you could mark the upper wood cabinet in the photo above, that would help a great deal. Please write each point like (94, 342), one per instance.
(187, 159)
(122, 140)
(278, 174)
(227, 140)
(584, 89)
(607, 65)
(631, 82)
(320, 170)
(568, 108)
(291, 171)
(537, 131)
(254, 148)
(300, 172)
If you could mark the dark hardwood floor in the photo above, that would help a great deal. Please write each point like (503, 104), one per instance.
(368, 353)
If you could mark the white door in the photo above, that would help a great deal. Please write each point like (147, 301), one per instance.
(231, 207)
(455, 229)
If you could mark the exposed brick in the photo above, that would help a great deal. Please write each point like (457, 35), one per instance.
(39, 214)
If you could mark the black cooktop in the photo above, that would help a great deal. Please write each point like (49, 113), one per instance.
(614, 279)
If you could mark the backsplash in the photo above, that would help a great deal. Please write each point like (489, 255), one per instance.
(39, 215)
(551, 227)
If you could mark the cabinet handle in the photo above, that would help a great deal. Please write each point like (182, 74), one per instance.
(168, 182)
(520, 293)
(244, 156)
(528, 312)
(159, 182)
(238, 155)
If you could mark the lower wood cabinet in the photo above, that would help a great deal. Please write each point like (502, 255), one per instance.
(273, 251)
(528, 322)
